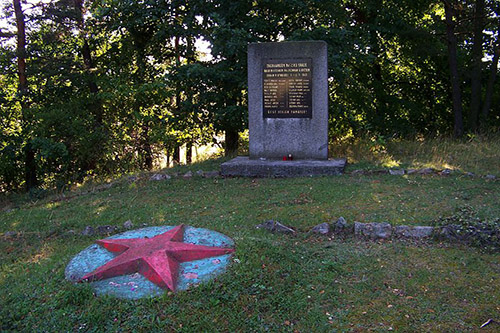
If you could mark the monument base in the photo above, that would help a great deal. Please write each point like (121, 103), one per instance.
(242, 166)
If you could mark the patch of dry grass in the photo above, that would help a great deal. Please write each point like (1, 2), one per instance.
(479, 155)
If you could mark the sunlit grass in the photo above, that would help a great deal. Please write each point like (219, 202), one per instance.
(45, 252)
(478, 155)
(389, 162)
(52, 205)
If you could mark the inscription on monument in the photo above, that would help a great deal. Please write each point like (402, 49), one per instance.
(287, 85)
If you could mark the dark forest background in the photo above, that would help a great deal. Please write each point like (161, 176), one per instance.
(101, 87)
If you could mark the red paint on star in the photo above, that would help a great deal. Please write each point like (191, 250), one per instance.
(156, 258)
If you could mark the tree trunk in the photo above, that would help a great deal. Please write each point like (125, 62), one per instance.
(21, 47)
(450, 12)
(231, 142)
(477, 54)
(88, 63)
(176, 156)
(491, 82)
(190, 58)
(177, 147)
(146, 147)
(96, 107)
(189, 153)
(378, 84)
(168, 158)
(30, 177)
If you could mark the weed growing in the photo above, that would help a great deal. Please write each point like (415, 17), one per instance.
(464, 225)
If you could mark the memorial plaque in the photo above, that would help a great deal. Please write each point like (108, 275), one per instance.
(288, 100)
(287, 112)
(287, 88)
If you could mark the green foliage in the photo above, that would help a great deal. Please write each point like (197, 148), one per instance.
(115, 84)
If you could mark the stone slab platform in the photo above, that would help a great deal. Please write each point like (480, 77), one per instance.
(242, 166)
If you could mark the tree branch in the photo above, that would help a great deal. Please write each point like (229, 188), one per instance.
(6, 34)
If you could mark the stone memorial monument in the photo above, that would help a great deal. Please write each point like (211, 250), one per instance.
(287, 111)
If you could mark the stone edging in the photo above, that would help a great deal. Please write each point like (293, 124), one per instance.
(187, 175)
(374, 230)
(384, 230)
(423, 171)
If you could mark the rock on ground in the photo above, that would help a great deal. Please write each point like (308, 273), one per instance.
(323, 229)
(340, 225)
(100, 230)
(446, 172)
(106, 229)
(373, 230)
(88, 231)
(10, 234)
(211, 174)
(426, 171)
(275, 226)
(452, 232)
(413, 232)
(159, 176)
(128, 224)
(397, 172)
(378, 172)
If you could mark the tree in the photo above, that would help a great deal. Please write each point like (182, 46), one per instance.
(30, 175)
(450, 7)
(491, 78)
(493, 71)
(231, 26)
(98, 87)
(477, 54)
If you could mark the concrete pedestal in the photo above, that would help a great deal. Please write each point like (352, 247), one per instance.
(242, 166)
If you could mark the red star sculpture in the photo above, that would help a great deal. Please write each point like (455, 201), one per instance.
(156, 258)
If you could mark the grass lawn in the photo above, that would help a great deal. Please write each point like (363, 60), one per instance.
(276, 282)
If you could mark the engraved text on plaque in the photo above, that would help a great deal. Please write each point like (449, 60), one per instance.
(287, 85)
